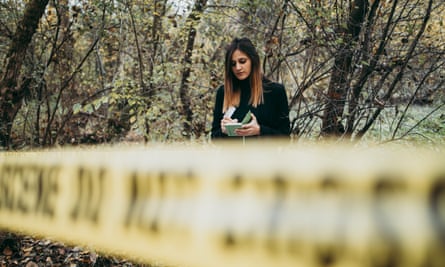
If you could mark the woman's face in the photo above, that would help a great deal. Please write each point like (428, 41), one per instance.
(241, 65)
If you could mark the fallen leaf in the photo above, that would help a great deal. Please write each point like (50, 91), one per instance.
(7, 251)
(31, 264)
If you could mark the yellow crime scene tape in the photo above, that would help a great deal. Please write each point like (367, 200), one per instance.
(226, 205)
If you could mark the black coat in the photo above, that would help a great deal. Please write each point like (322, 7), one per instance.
(272, 115)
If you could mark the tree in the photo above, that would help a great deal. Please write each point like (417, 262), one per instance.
(370, 52)
(192, 20)
(359, 60)
(338, 86)
(12, 90)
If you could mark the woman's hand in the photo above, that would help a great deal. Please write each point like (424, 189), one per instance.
(249, 129)
(224, 121)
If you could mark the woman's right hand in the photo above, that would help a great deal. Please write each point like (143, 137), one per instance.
(224, 121)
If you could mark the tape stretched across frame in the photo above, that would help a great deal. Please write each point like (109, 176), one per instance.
(267, 205)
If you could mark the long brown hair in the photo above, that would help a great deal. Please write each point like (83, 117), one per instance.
(232, 94)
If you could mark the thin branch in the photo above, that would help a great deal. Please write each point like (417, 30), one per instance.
(418, 123)
(308, 24)
(138, 48)
(412, 100)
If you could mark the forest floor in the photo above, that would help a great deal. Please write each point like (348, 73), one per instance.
(26, 251)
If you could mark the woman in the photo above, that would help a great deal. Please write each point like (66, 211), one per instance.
(246, 89)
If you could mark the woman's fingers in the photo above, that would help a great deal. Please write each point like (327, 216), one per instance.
(251, 128)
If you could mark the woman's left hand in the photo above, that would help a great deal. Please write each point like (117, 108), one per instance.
(249, 129)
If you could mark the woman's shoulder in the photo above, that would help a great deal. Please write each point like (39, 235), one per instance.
(220, 88)
(273, 87)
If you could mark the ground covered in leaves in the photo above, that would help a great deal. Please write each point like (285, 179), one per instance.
(31, 252)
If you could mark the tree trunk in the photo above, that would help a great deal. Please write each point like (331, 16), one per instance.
(372, 61)
(11, 91)
(160, 8)
(186, 109)
(339, 83)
